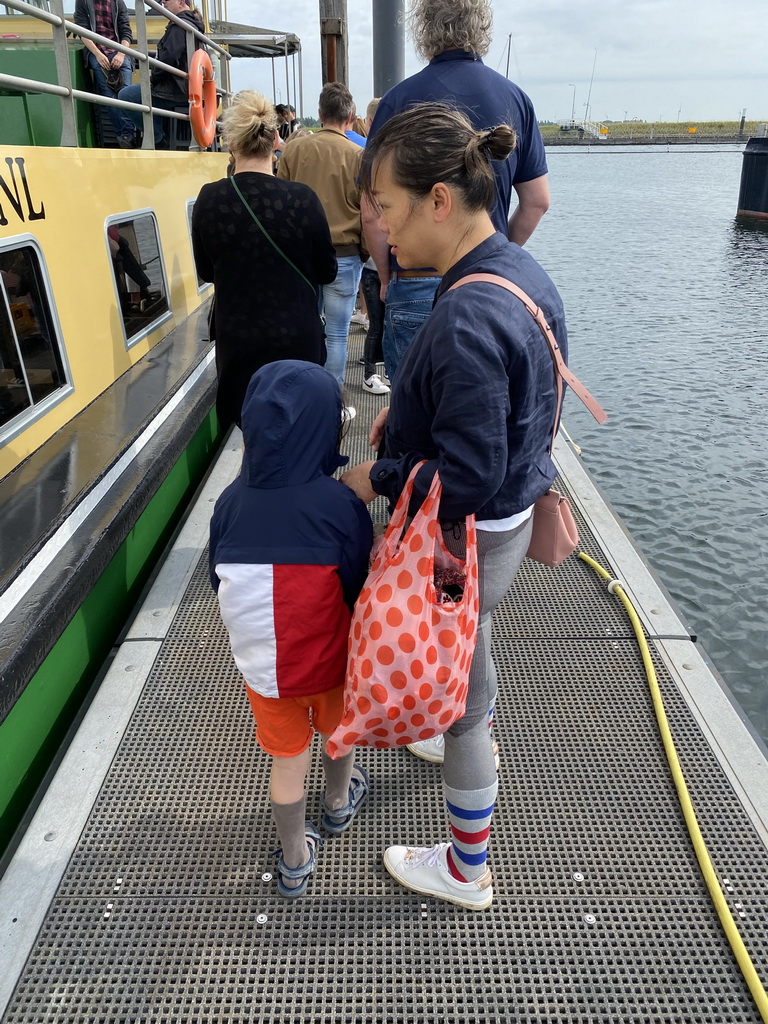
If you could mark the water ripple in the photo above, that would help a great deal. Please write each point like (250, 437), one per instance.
(665, 299)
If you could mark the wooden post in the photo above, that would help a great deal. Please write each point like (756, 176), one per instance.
(334, 51)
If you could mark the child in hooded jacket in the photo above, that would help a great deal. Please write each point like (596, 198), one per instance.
(288, 557)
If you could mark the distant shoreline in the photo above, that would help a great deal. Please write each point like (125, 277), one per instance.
(642, 133)
(657, 140)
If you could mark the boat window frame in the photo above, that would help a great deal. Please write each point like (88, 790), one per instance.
(201, 287)
(120, 218)
(13, 428)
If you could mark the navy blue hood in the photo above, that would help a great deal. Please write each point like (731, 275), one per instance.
(291, 418)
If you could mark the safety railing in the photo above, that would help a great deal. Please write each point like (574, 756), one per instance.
(62, 28)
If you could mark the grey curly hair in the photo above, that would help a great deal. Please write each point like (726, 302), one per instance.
(438, 25)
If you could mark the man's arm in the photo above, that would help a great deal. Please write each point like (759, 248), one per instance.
(123, 28)
(532, 204)
(375, 241)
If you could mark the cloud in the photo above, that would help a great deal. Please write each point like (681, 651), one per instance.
(701, 55)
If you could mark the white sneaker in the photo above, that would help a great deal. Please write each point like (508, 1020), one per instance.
(385, 379)
(425, 870)
(375, 385)
(348, 413)
(358, 317)
(433, 750)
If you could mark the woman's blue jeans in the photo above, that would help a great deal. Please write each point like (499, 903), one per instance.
(338, 304)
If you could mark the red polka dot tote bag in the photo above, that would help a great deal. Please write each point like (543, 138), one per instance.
(412, 636)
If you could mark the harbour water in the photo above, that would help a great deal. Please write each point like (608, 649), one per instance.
(666, 298)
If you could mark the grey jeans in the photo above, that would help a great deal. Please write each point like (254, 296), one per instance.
(499, 556)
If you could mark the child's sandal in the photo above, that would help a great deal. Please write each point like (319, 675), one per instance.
(301, 873)
(338, 821)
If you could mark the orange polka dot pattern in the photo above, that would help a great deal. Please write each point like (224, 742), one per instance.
(409, 655)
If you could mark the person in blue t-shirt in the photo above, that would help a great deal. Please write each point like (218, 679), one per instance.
(453, 35)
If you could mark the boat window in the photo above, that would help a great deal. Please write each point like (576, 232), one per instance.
(32, 366)
(139, 275)
(201, 284)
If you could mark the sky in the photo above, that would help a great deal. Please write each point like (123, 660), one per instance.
(655, 60)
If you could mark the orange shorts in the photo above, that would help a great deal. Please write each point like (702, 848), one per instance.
(284, 725)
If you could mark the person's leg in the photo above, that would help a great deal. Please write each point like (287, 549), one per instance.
(458, 871)
(283, 731)
(338, 303)
(162, 125)
(346, 788)
(122, 125)
(289, 805)
(409, 303)
(469, 769)
(371, 287)
(346, 783)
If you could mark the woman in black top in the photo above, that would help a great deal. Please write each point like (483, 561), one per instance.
(266, 307)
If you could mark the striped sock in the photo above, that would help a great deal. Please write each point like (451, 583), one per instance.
(469, 812)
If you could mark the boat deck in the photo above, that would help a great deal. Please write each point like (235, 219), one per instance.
(142, 889)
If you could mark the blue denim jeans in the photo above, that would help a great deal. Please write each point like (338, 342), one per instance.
(409, 303)
(121, 123)
(338, 299)
(132, 94)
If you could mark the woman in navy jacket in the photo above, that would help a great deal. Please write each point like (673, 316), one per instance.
(475, 395)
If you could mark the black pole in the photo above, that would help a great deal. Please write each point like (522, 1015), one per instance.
(388, 45)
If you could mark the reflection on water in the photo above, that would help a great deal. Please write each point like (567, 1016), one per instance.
(665, 294)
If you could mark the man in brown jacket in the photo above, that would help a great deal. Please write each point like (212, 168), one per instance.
(330, 164)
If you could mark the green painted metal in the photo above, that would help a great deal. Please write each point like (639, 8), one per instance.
(32, 733)
(34, 119)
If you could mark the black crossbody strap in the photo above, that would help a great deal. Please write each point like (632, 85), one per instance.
(269, 238)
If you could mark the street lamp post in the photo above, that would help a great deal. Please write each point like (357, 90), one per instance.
(573, 105)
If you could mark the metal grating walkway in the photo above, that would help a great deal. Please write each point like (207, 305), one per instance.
(600, 913)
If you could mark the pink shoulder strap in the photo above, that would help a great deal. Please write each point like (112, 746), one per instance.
(562, 373)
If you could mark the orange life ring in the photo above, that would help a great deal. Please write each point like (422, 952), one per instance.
(202, 99)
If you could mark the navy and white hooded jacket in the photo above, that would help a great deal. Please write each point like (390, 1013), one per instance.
(290, 544)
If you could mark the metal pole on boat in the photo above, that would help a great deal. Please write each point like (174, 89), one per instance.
(333, 37)
(148, 127)
(287, 79)
(388, 45)
(301, 86)
(64, 77)
(295, 90)
(274, 82)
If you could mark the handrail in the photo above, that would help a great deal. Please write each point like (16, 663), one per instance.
(31, 85)
(62, 27)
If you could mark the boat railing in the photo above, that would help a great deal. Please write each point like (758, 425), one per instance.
(62, 28)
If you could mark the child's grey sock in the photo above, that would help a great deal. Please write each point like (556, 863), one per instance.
(290, 819)
(337, 777)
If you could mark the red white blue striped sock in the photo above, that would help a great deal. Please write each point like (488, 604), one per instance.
(469, 812)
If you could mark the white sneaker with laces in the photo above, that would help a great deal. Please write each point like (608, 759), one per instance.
(433, 750)
(358, 317)
(425, 870)
(374, 385)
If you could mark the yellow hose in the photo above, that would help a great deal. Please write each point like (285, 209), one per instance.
(723, 911)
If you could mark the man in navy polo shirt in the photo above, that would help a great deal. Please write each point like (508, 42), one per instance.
(453, 35)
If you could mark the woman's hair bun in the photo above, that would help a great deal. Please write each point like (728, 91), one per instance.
(498, 142)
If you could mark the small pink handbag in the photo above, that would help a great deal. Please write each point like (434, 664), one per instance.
(555, 534)
(411, 642)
